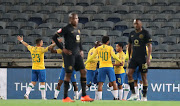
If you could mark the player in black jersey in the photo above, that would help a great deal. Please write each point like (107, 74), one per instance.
(138, 39)
(72, 54)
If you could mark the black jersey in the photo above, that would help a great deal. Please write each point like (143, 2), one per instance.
(139, 41)
(71, 37)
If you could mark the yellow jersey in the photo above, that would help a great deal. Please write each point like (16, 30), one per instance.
(93, 63)
(59, 51)
(120, 69)
(37, 54)
(104, 56)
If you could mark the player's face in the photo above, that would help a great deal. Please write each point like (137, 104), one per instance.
(74, 20)
(137, 25)
(41, 43)
(117, 48)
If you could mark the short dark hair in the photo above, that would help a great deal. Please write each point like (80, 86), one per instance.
(38, 40)
(120, 45)
(105, 39)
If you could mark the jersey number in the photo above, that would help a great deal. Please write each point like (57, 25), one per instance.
(36, 56)
(104, 56)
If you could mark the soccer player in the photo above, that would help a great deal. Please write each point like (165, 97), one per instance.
(38, 68)
(62, 75)
(72, 54)
(119, 69)
(91, 67)
(138, 40)
(106, 67)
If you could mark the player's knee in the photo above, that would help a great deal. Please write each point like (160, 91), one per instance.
(42, 83)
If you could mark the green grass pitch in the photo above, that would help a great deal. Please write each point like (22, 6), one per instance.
(15, 102)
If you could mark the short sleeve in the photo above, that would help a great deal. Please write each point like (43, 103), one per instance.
(148, 38)
(45, 49)
(129, 39)
(59, 51)
(29, 48)
(61, 32)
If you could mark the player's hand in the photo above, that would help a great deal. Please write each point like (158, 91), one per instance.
(148, 61)
(82, 54)
(67, 52)
(20, 38)
(60, 40)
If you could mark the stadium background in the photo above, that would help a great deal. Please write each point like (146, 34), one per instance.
(113, 18)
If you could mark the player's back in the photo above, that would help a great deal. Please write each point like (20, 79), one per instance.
(104, 54)
(37, 54)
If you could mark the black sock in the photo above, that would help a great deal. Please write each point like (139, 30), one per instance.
(66, 87)
(83, 86)
(131, 84)
(144, 91)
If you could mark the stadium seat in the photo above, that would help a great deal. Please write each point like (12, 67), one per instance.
(83, 2)
(144, 2)
(45, 26)
(98, 2)
(168, 56)
(174, 18)
(2, 9)
(21, 17)
(160, 3)
(50, 32)
(58, 25)
(68, 2)
(129, 2)
(45, 9)
(129, 17)
(169, 40)
(99, 33)
(25, 56)
(7, 2)
(138, 9)
(86, 33)
(114, 18)
(15, 9)
(115, 2)
(31, 9)
(7, 17)
(2, 25)
(122, 39)
(123, 9)
(16, 32)
(121, 26)
(91, 10)
(162, 32)
(5, 32)
(156, 40)
(169, 25)
(1, 40)
(161, 18)
(18, 48)
(76, 9)
(153, 25)
(14, 25)
(35, 33)
(178, 56)
(107, 25)
(55, 56)
(38, 2)
(92, 25)
(53, 3)
(152, 10)
(127, 32)
(10, 40)
(84, 18)
(99, 17)
(85, 48)
(175, 48)
(89, 40)
(61, 10)
(161, 48)
(175, 32)
(37, 18)
(156, 56)
(54, 18)
(146, 17)
(114, 33)
(4, 48)
(25, 32)
(23, 2)
(174, 3)
(109, 9)
(30, 40)
(46, 41)
(168, 10)
(29, 26)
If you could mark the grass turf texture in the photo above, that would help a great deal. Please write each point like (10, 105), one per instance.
(14, 102)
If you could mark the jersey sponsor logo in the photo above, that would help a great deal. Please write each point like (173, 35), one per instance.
(132, 36)
(77, 38)
(141, 36)
(136, 42)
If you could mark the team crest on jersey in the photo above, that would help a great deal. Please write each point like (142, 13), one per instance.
(70, 67)
(91, 53)
(141, 36)
(132, 35)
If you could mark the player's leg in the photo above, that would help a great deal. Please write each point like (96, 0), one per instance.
(101, 78)
(112, 79)
(73, 80)
(96, 83)
(135, 77)
(34, 79)
(126, 87)
(120, 83)
(42, 80)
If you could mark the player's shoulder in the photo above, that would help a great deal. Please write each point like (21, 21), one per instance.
(145, 31)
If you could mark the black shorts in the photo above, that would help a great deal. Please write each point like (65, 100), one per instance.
(72, 62)
(143, 68)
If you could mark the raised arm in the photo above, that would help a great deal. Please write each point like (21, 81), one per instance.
(92, 56)
(21, 40)
(55, 38)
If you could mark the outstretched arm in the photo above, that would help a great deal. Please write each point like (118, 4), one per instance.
(91, 57)
(21, 40)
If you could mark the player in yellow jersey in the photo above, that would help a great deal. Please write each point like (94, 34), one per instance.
(106, 67)
(91, 68)
(119, 69)
(38, 68)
